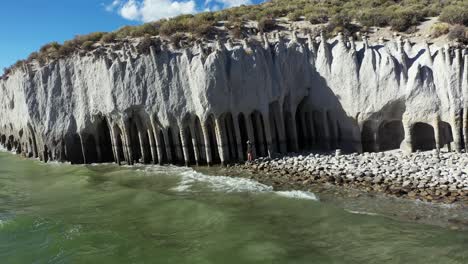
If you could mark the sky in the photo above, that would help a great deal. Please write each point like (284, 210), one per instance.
(26, 25)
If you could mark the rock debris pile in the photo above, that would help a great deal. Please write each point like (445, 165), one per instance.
(428, 176)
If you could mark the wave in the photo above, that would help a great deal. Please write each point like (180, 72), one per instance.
(361, 212)
(298, 195)
(220, 183)
(233, 185)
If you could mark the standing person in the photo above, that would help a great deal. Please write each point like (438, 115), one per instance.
(249, 151)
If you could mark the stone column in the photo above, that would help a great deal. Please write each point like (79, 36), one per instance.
(206, 138)
(196, 147)
(436, 124)
(115, 148)
(456, 128)
(152, 145)
(221, 139)
(159, 146)
(185, 148)
(241, 154)
(294, 140)
(127, 143)
(278, 115)
(251, 135)
(465, 125)
(168, 146)
(141, 139)
(178, 145)
(407, 144)
(232, 141)
(268, 136)
(261, 139)
(83, 138)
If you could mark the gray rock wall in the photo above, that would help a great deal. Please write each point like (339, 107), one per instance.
(201, 104)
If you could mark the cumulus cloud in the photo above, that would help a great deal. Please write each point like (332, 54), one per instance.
(150, 10)
(232, 3)
(130, 10)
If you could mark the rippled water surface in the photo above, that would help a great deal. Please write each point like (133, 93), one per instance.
(56, 213)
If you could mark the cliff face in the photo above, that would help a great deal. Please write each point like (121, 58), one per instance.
(192, 105)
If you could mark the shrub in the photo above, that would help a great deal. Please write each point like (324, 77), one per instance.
(373, 17)
(455, 14)
(295, 16)
(266, 24)
(151, 29)
(439, 29)
(50, 47)
(87, 45)
(316, 18)
(402, 20)
(109, 37)
(459, 33)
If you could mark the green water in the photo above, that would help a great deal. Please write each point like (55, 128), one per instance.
(55, 213)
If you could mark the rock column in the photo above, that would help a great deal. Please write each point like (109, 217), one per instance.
(241, 154)
(465, 126)
(268, 135)
(151, 138)
(250, 133)
(206, 138)
(456, 128)
(407, 144)
(196, 147)
(168, 145)
(436, 125)
(261, 138)
(222, 141)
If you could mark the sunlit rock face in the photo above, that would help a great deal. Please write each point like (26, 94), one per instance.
(202, 104)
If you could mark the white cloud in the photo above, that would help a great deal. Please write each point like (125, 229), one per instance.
(232, 3)
(130, 10)
(150, 10)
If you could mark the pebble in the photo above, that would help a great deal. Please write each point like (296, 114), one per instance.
(422, 175)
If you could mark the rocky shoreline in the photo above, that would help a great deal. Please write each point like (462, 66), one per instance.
(431, 176)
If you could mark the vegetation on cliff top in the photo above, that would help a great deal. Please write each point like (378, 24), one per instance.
(338, 15)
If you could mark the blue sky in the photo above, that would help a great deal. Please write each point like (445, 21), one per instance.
(25, 25)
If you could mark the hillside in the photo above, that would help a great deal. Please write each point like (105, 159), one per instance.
(439, 21)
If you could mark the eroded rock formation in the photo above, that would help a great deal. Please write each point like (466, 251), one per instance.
(201, 104)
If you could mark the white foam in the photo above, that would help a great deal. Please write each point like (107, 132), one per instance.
(298, 195)
(361, 212)
(220, 183)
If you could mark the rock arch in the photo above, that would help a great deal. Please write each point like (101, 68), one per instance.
(105, 140)
(74, 149)
(445, 135)
(369, 136)
(391, 134)
(89, 149)
(422, 137)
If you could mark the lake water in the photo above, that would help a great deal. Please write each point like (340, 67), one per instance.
(58, 213)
